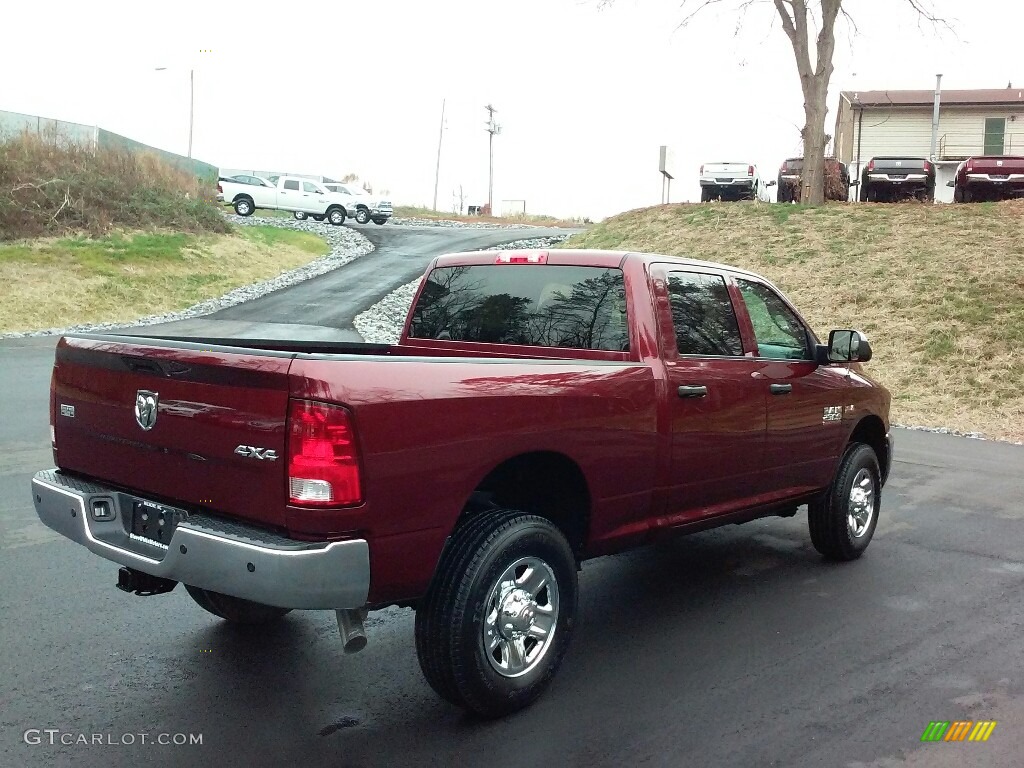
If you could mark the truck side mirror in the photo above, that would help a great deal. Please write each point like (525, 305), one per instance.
(770, 183)
(854, 182)
(845, 346)
(951, 183)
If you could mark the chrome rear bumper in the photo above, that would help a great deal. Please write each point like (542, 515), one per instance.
(204, 551)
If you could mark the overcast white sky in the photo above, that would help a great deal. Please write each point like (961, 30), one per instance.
(585, 97)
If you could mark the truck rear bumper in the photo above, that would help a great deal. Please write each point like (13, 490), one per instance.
(204, 551)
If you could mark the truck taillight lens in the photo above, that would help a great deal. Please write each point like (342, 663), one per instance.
(323, 464)
(970, 165)
(927, 167)
(53, 408)
(702, 170)
(750, 170)
(220, 188)
(871, 165)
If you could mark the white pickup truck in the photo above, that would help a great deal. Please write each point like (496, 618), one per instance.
(286, 193)
(362, 205)
(731, 181)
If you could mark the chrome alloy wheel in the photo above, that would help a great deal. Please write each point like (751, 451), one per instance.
(520, 617)
(861, 509)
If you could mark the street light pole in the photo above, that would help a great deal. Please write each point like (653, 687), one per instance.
(191, 103)
(191, 107)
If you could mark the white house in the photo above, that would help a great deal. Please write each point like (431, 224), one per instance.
(971, 123)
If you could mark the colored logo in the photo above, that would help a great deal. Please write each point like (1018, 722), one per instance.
(958, 730)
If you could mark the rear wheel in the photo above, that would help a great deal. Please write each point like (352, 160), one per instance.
(705, 195)
(843, 521)
(244, 206)
(300, 215)
(235, 609)
(336, 216)
(380, 220)
(318, 217)
(493, 629)
(362, 216)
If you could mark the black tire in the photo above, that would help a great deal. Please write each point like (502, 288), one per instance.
(244, 206)
(300, 215)
(833, 519)
(362, 216)
(958, 195)
(705, 195)
(967, 196)
(235, 609)
(451, 621)
(318, 217)
(336, 216)
(380, 220)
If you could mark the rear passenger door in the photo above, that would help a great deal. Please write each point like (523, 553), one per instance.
(717, 406)
(804, 430)
(289, 196)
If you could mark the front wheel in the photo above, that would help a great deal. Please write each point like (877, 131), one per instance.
(336, 216)
(362, 216)
(843, 521)
(494, 626)
(300, 215)
(380, 220)
(235, 609)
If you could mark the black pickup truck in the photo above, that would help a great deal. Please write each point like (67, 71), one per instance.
(897, 178)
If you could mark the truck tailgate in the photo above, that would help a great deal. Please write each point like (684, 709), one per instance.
(183, 423)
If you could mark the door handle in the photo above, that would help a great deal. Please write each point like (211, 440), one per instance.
(693, 391)
(780, 389)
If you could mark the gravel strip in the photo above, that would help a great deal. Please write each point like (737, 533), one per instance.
(346, 244)
(382, 323)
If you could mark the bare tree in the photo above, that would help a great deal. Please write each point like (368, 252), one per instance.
(800, 19)
(348, 178)
(458, 201)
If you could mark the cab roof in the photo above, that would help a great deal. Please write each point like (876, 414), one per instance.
(583, 257)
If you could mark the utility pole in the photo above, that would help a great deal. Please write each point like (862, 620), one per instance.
(191, 107)
(493, 129)
(935, 116)
(437, 171)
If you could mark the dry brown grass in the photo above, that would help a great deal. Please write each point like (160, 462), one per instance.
(50, 187)
(938, 288)
(58, 283)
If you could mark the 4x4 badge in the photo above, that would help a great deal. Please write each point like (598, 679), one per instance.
(146, 403)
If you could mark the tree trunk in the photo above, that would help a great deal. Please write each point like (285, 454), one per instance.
(814, 83)
(813, 177)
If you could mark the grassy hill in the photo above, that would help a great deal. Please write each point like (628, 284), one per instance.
(939, 289)
(109, 236)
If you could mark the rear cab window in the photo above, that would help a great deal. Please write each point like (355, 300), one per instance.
(537, 305)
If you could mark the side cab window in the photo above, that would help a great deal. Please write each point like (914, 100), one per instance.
(291, 184)
(703, 317)
(779, 332)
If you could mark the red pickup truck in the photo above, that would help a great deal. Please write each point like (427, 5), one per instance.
(541, 408)
(988, 178)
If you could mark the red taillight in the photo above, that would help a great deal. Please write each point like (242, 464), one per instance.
(519, 257)
(323, 465)
(784, 168)
(220, 188)
(970, 165)
(53, 408)
(871, 165)
(702, 170)
(750, 170)
(927, 167)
